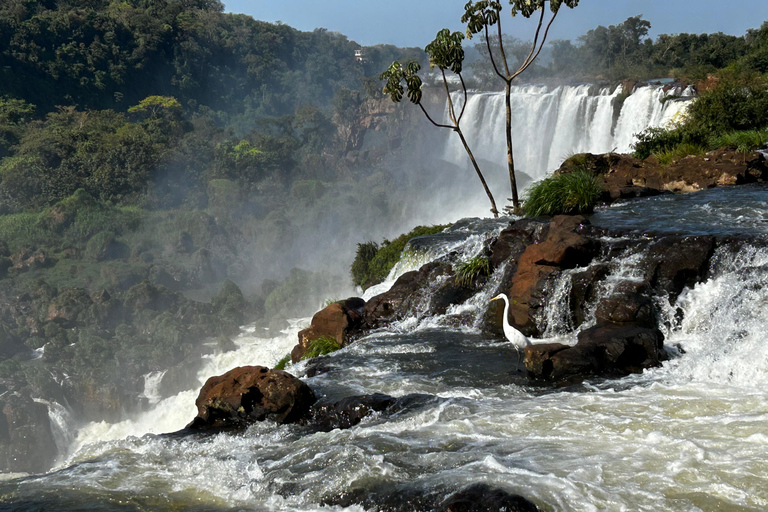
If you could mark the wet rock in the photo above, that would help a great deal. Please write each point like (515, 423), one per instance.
(483, 498)
(584, 289)
(26, 439)
(603, 350)
(676, 262)
(405, 498)
(564, 248)
(248, 394)
(339, 320)
(409, 292)
(627, 307)
(349, 411)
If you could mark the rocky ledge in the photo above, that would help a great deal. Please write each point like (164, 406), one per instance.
(622, 335)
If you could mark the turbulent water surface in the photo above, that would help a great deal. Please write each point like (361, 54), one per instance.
(688, 436)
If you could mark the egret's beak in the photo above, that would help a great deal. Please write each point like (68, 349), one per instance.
(495, 298)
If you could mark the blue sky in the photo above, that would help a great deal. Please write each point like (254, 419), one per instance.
(415, 22)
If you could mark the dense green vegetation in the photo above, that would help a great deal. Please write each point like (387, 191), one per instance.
(150, 147)
(733, 113)
(570, 193)
(373, 262)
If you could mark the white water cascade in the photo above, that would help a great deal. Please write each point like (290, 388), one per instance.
(550, 124)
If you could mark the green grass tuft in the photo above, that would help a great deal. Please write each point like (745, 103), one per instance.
(321, 346)
(283, 362)
(468, 271)
(744, 141)
(571, 193)
(668, 156)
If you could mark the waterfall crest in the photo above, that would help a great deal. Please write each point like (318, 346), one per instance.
(550, 124)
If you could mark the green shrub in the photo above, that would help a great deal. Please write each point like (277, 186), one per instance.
(373, 263)
(321, 346)
(468, 271)
(360, 267)
(571, 193)
(667, 156)
(742, 141)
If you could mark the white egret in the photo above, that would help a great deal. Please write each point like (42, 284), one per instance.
(517, 338)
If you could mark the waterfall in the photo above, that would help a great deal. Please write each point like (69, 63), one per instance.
(550, 124)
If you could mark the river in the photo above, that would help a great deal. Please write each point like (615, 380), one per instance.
(688, 436)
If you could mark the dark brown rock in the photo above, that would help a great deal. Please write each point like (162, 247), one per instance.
(26, 440)
(563, 248)
(676, 262)
(603, 350)
(483, 498)
(627, 307)
(248, 394)
(339, 320)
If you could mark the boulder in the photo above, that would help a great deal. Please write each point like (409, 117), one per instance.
(26, 439)
(68, 307)
(338, 320)
(676, 262)
(603, 350)
(248, 394)
(410, 290)
(349, 411)
(627, 307)
(483, 498)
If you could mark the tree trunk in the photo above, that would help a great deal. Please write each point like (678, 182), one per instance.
(479, 174)
(510, 156)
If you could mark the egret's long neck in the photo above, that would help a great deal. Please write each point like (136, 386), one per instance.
(506, 308)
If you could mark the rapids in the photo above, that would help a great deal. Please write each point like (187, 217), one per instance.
(688, 436)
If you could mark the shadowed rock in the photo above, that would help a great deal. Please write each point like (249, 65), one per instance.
(248, 394)
(338, 320)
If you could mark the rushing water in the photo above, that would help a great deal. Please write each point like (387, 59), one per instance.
(551, 124)
(688, 436)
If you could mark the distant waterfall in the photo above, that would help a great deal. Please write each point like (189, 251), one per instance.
(550, 124)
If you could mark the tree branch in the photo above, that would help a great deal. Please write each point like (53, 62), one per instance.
(543, 41)
(433, 121)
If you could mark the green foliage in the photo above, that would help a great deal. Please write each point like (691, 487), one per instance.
(668, 156)
(570, 193)
(396, 75)
(373, 263)
(321, 346)
(736, 103)
(467, 272)
(743, 141)
(283, 362)
(360, 266)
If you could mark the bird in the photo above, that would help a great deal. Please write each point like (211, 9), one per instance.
(517, 338)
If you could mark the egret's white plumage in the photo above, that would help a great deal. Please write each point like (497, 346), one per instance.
(510, 332)
(516, 337)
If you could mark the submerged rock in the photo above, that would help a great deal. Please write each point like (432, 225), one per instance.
(404, 498)
(350, 411)
(248, 394)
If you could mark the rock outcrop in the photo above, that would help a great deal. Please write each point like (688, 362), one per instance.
(26, 439)
(339, 321)
(248, 394)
